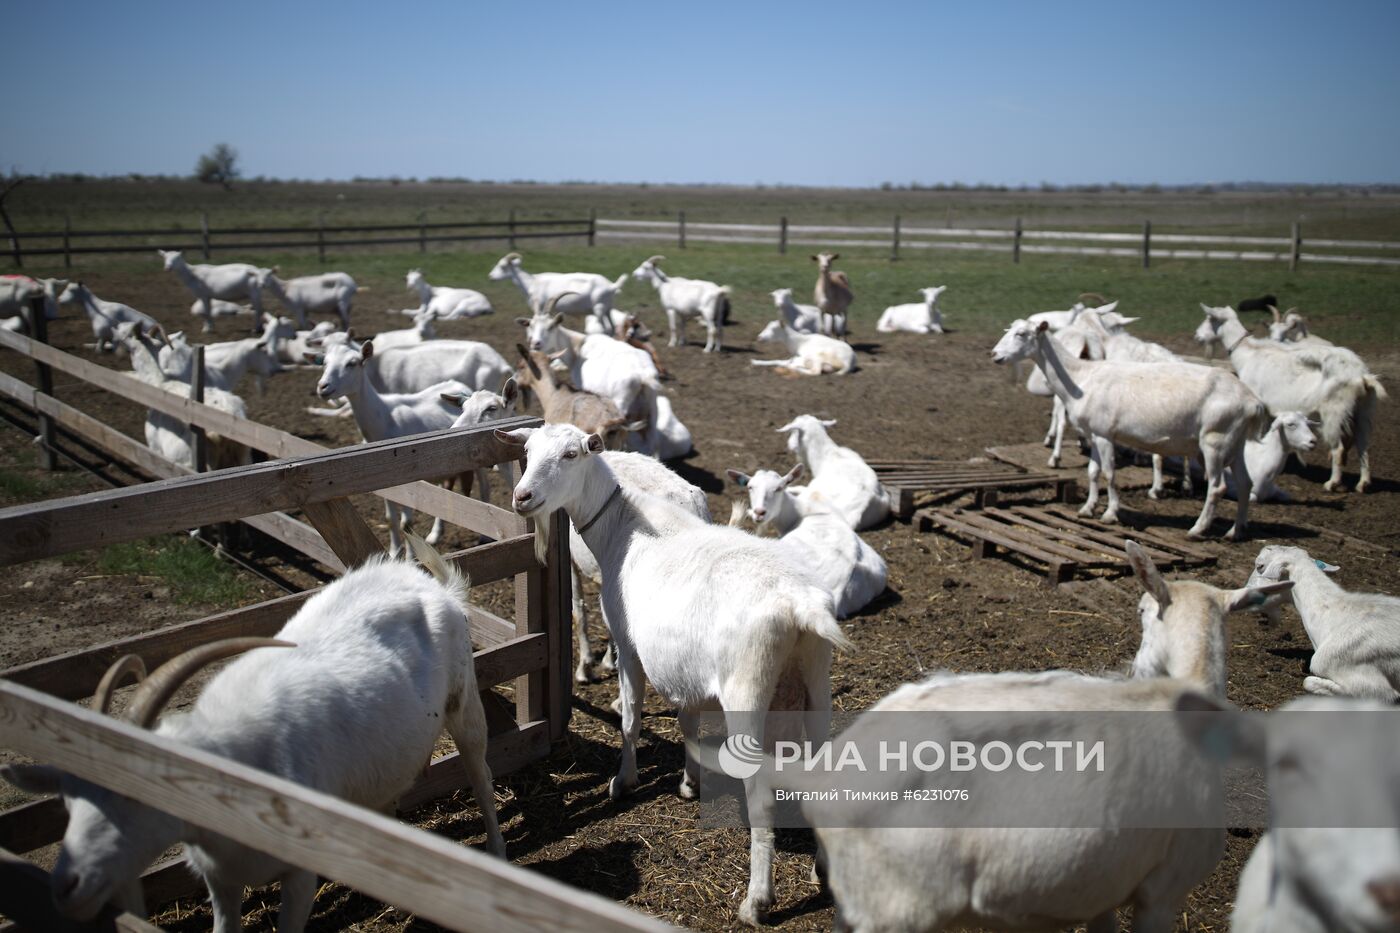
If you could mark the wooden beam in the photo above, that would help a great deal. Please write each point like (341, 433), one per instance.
(497, 560)
(297, 535)
(30, 532)
(443, 882)
(344, 530)
(422, 496)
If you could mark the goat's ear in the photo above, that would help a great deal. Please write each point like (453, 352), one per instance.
(792, 474)
(739, 477)
(1218, 731)
(1147, 574)
(510, 389)
(1326, 567)
(529, 362)
(1254, 597)
(523, 321)
(367, 349)
(593, 444)
(828, 424)
(556, 320)
(32, 779)
(454, 400)
(318, 359)
(635, 427)
(1042, 327)
(835, 256)
(515, 438)
(815, 259)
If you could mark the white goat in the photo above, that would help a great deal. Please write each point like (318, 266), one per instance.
(1290, 432)
(422, 331)
(812, 354)
(292, 345)
(684, 299)
(639, 474)
(839, 478)
(821, 542)
(578, 292)
(226, 363)
(1355, 636)
(673, 437)
(482, 406)
(449, 304)
(708, 614)
(922, 318)
(387, 415)
(349, 699)
(1291, 329)
(104, 315)
(805, 319)
(1331, 861)
(220, 308)
(16, 291)
(328, 291)
(230, 281)
(605, 366)
(1163, 408)
(988, 876)
(1330, 384)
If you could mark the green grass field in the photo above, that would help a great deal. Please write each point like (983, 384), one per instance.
(1356, 305)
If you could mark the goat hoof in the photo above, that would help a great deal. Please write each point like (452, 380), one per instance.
(753, 909)
(581, 676)
(687, 790)
(1154, 494)
(1109, 518)
(618, 788)
(1364, 485)
(1086, 512)
(616, 706)
(1333, 485)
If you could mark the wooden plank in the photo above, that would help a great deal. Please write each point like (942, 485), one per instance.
(557, 609)
(1148, 535)
(25, 898)
(344, 530)
(1013, 542)
(32, 825)
(509, 659)
(529, 620)
(30, 532)
(433, 878)
(487, 563)
(489, 629)
(1059, 546)
(424, 497)
(1109, 542)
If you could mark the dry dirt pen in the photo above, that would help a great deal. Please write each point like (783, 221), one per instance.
(913, 398)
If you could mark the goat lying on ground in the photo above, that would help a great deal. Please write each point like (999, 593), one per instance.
(348, 699)
(840, 480)
(922, 318)
(812, 354)
(449, 304)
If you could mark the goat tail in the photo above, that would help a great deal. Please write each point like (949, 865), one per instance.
(1259, 420)
(443, 572)
(1374, 387)
(818, 617)
(736, 513)
(621, 281)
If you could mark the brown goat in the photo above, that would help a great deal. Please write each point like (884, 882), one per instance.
(563, 404)
(833, 295)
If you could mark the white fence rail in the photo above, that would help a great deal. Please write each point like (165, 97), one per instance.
(1015, 241)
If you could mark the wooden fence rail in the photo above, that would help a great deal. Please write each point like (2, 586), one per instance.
(900, 235)
(209, 239)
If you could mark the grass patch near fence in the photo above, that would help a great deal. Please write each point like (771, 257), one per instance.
(191, 570)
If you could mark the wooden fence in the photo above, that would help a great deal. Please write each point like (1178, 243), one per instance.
(459, 888)
(208, 240)
(1144, 246)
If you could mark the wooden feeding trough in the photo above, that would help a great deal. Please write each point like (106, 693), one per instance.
(1056, 538)
(906, 479)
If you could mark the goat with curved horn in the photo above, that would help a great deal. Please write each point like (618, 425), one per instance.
(1086, 296)
(655, 259)
(1273, 309)
(157, 689)
(592, 294)
(126, 664)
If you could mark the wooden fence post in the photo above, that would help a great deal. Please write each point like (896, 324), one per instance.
(1146, 244)
(321, 237)
(204, 233)
(592, 225)
(894, 247)
(782, 237)
(201, 440)
(67, 232)
(1016, 242)
(512, 229)
(39, 326)
(1297, 247)
(680, 228)
(423, 232)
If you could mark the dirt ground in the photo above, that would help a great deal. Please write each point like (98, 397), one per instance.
(936, 397)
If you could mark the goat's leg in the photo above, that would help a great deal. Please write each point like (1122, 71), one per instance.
(746, 698)
(1104, 447)
(585, 651)
(630, 684)
(1157, 487)
(1243, 495)
(395, 514)
(1092, 500)
(467, 726)
(1050, 429)
(1323, 686)
(298, 894)
(1338, 455)
(208, 302)
(343, 309)
(1213, 459)
(690, 729)
(1058, 420)
(677, 336)
(227, 901)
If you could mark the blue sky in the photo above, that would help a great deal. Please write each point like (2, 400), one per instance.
(811, 93)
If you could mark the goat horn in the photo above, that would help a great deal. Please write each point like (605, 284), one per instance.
(509, 257)
(156, 690)
(655, 259)
(1292, 310)
(549, 309)
(126, 664)
(1101, 299)
(1273, 309)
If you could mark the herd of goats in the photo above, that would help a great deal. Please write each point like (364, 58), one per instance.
(351, 694)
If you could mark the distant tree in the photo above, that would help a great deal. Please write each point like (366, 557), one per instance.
(218, 165)
(9, 183)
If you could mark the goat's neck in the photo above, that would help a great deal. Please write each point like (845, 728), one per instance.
(1058, 369)
(186, 274)
(547, 389)
(791, 338)
(1313, 594)
(815, 448)
(610, 531)
(1200, 658)
(522, 279)
(1232, 336)
(425, 292)
(146, 362)
(368, 406)
(1267, 455)
(787, 517)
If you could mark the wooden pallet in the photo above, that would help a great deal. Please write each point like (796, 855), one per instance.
(1056, 537)
(906, 479)
(1032, 456)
